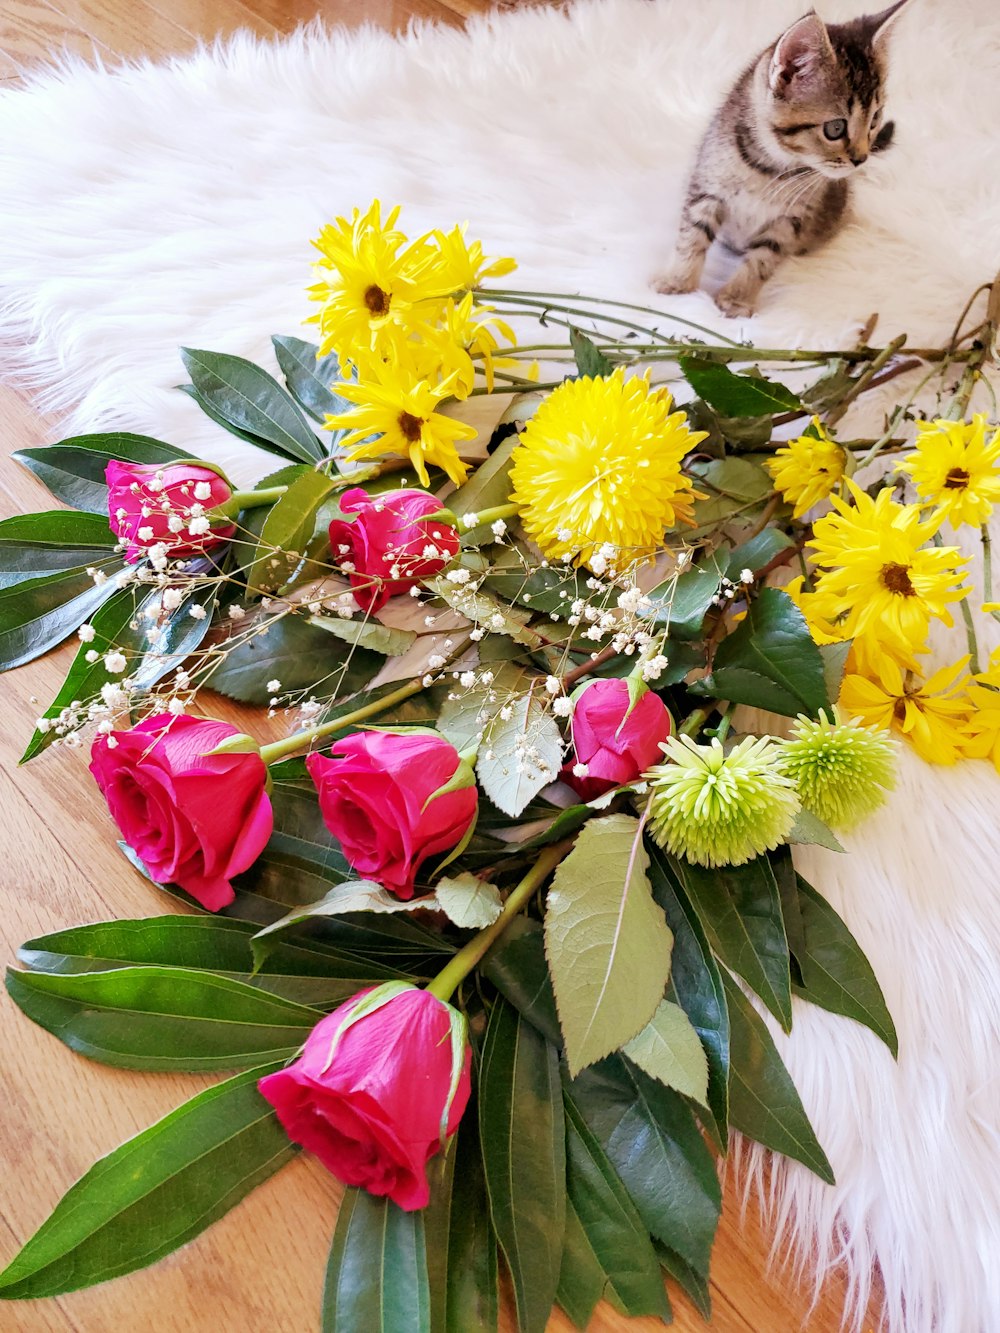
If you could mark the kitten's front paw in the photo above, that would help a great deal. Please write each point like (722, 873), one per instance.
(676, 281)
(735, 301)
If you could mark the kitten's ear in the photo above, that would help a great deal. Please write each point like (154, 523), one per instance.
(878, 25)
(801, 57)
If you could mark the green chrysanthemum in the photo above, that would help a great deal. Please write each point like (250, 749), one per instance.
(841, 770)
(721, 809)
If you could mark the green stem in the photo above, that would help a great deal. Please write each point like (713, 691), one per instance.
(300, 739)
(864, 379)
(987, 563)
(482, 516)
(240, 500)
(455, 972)
(694, 722)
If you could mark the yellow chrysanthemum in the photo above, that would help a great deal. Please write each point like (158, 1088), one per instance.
(459, 266)
(983, 730)
(400, 410)
(878, 577)
(376, 279)
(807, 469)
(955, 468)
(466, 334)
(933, 715)
(598, 468)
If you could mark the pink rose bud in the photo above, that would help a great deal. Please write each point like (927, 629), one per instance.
(381, 1084)
(390, 549)
(392, 799)
(616, 745)
(194, 819)
(150, 503)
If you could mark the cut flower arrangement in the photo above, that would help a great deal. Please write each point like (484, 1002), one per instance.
(490, 930)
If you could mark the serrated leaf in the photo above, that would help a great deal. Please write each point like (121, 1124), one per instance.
(763, 1102)
(770, 660)
(310, 378)
(369, 634)
(668, 1049)
(287, 530)
(376, 1279)
(736, 488)
(590, 360)
(156, 1192)
(244, 397)
(162, 1018)
(757, 552)
(73, 470)
(522, 1134)
(468, 901)
(810, 831)
(681, 604)
(740, 909)
(834, 657)
(693, 1284)
(513, 775)
(736, 395)
(607, 943)
(835, 972)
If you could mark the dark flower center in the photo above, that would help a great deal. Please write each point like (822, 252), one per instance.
(377, 300)
(410, 426)
(956, 480)
(897, 579)
(899, 709)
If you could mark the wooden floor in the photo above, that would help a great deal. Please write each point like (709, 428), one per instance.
(260, 1269)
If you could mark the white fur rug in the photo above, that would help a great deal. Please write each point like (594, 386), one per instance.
(155, 206)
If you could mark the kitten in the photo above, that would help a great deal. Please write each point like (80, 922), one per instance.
(771, 177)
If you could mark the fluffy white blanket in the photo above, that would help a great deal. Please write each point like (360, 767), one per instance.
(155, 206)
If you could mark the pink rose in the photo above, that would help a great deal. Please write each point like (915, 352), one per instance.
(391, 551)
(150, 503)
(374, 792)
(194, 819)
(375, 1086)
(616, 748)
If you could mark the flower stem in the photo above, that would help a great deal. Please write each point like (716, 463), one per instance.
(694, 722)
(455, 972)
(482, 516)
(240, 500)
(987, 563)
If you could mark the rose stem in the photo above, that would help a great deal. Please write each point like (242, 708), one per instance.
(455, 972)
(482, 516)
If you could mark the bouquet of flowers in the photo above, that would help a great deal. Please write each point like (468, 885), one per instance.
(489, 929)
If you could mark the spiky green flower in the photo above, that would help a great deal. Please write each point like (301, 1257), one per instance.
(721, 809)
(841, 770)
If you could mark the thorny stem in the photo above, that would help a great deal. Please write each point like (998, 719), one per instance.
(455, 972)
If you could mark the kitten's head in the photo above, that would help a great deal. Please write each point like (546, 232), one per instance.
(825, 91)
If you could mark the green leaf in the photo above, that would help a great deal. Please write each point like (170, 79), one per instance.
(784, 876)
(697, 985)
(740, 909)
(73, 470)
(516, 965)
(355, 895)
(581, 1277)
(154, 1193)
(247, 398)
(286, 531)
(668, 1049)
(38, 614)
(468, 901)
(468, 1291)
(370, 634)
(834, 657)
(590, 360)
(162, 1018)
(736, 395)
(763, 1103)
(516, 576)
(810, 831)
(57, 541)
(611, 1223)
(309, 377)
(736, 488)
(509, 778)
(680, 604)
(376, 1280)
(120, 624)
(522, 1133)
(757, 552)
(298, 654)
(770, 660)
(307, 972)
(693, 1284)
(835, 972)
(652, 1140)
(606, 941)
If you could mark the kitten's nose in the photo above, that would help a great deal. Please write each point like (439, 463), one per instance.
(858, 159)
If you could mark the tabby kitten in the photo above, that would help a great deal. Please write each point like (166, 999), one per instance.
(771, 177)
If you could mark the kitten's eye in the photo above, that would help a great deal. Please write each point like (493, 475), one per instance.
(835, 129)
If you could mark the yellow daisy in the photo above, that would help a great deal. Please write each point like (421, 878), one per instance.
(933, 715)
(376, 279)
(878, 577)
(400, 410)
(807, 470)
(598, 469)
(466, 334)
(954, 467)
(983, 731)
(459, 266)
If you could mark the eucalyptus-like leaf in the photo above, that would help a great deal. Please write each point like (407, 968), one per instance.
(156, 1192)
(468, 901)
(73, 470)
(310, 378)
(520, 754)
(369, 634)
(763, 1102)
(668, 1049)
(607, 943)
